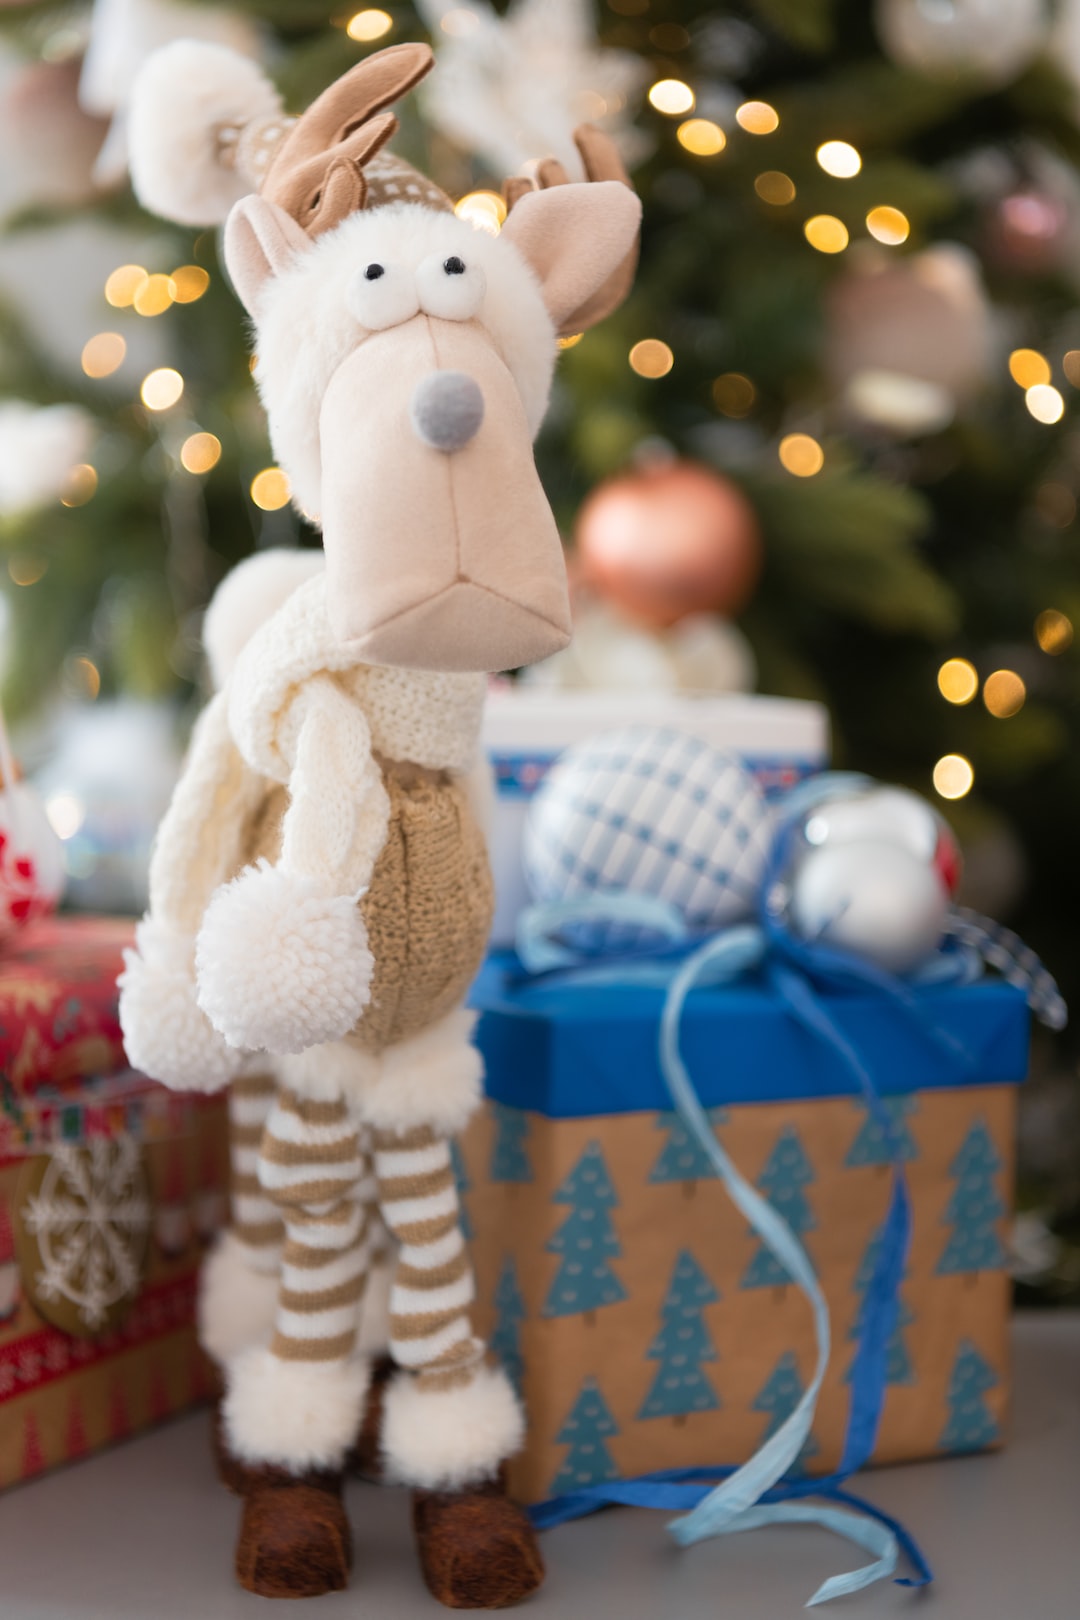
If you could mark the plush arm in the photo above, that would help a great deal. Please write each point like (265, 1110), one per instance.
(282, 957)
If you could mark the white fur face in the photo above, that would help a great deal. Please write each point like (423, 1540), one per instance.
(327, 302)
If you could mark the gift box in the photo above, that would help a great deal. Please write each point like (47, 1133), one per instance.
(644, 1323)
(779, 740)
(110, 1186)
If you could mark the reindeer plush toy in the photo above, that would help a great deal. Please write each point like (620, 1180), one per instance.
(319, 893)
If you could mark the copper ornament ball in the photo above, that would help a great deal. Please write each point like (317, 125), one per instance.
(667, 541)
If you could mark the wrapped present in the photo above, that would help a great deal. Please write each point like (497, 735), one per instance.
(780, 741)
(109, 1187)
(646, 1323)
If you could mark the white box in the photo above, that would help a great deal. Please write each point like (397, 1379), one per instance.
(778, 739)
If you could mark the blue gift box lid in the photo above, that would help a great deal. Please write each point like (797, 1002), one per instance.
(570, 1050)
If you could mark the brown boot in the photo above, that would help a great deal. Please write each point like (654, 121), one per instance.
(365, 1458)
(294, 1538)
(477, 1548)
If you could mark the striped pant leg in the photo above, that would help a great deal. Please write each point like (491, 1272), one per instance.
(256, 1219)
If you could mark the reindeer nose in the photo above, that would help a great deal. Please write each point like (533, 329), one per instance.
(447, 409)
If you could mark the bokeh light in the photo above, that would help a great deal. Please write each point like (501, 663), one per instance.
(839, 159)
(1028, 368)
(1053, 631)
(651, 358)
(1004, 693)
(270, 489)
(671, 96)
(1045, 404)
(826, 233)
(154, 296)
(189, 283)
(161, 389)
(103, 354)
(372, 24)
(733, 394)
(757, 118)
(888, 226)
(775, 187)
(123, 284)
(701, 137)
(953, 776)
(80, 485)
(801, 455)
(200, 452)
(958, 681)
(484, 209)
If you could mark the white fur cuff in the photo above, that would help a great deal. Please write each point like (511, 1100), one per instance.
(165, 1033)
(435, 1079)
(237, 1302)
(443, 1439)
(293, 1414)
(281, 964)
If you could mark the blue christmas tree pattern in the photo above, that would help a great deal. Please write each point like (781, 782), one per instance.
(682, 1344)
(898, 1368)
(782, 1181)
(509, 1315)
(682, 1158)
(870, 1147)
(586, 1240)
(779, 1396)
(509, 1157)
(588, 1462)
(974, 1208)
(464, 1185)
(971, 1425)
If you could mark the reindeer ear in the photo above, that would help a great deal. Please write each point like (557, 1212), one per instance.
(578, 239)
(261, 240)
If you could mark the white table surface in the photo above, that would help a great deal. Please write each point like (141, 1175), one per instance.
(144, 1532)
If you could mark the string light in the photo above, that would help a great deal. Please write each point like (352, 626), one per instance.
(103, 354)
(839, 159)
(1071, 366)
(569, 342)
(733, 394)
(1053, 631)
(200, 452)
(123, 284)
(83, 677)
(757, 118)
(26, 570)
(651, 358)
(1004, 693)
(189, 283)
(1045, 404)
(953, 776)
(270, 489)
(80, 485)
(484, 209)
(775, 187)
(888, 226)
(161, 389)
(701, 136)
(369, 25)
(801, 455)
(826, 233)
(957, 681)
(671, 96)
(155, 296)
(1028, 368)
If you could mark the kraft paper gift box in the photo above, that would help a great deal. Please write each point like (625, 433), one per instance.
(110, 1186)
(644, 1323)
(779, 740)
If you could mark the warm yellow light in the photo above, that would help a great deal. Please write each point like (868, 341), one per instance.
(80, 485)
(701, 136)
(671, 96)
(1028, 368)
(155, 296)
(733, 394)
(775, 187)
(200, 452)
(1053, 631)
(953, 776)
(161, 389)
(1071, 366)
(957, 680)
(369, 25)
(270, 489)
(839, 159)
(826, 233)
(757, 118)
(484, 209)
(189, 283)
(459, 22)
(26, 570)
(1004, 693)
(888, 225)
(103, 354)
(123, 284)
(651, 358)
(85, 677)
(1045, 403)
(801, 455)
(569, 342)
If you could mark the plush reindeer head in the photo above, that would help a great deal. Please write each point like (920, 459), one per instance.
(405, 360)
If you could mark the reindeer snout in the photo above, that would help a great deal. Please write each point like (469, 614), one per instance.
(447, 409)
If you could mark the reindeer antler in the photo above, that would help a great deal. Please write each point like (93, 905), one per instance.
(317, 172)
(601, 161)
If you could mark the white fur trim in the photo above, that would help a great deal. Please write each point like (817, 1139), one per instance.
(250, 594)
(236, 1301)
(281, 964)
(293, 1414)
(165, 1033)
(183, 96)
(325, 1073)
(443, 1439)
(436, 1079)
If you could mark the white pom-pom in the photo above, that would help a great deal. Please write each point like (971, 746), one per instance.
(183, 97)
(249, 595)
(282, 964)
(165, 1033)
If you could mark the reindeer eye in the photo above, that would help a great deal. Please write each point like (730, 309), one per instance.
(454, 266)
(373, 272)
(382, 295)
(450, 289)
